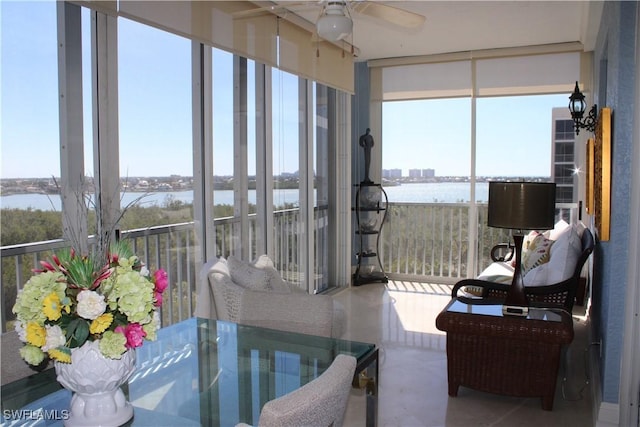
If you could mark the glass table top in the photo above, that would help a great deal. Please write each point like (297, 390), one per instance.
(472, 306)
(198, 372)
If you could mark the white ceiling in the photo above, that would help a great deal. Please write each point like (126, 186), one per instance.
(456, 26)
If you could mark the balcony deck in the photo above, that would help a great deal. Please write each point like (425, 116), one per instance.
(400, 318)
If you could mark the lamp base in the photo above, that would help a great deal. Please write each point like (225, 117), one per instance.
(515, 310)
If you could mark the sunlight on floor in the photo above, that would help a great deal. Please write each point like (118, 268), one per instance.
(415, 306)
(413, 389)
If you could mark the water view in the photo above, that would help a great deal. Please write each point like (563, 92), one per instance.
(436, 192)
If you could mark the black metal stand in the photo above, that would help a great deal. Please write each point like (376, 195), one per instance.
(371, 212)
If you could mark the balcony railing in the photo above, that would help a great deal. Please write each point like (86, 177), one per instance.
(171, 247)
(429, 242)
(424, 242)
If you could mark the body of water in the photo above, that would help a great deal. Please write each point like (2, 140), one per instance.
(437, 192)
(442, 192)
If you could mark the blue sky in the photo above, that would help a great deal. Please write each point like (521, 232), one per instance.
(513, 135)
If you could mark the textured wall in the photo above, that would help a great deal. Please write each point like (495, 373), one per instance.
(614, 68)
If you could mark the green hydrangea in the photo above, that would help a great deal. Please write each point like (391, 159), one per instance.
(32, 354)
(132, 295)
(112, 344)
(28, 306)
(151, 328)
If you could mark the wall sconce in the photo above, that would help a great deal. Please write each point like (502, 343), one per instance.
(577, 106)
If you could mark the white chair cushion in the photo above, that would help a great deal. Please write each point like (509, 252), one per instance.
(538, 276)
(500, 272)
(565, 253)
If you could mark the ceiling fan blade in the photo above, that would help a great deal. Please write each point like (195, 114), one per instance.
(274, 8)
(392, 14)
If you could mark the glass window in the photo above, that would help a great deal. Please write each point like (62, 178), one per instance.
(563, 174)
(286, 193)
(426, 149)
(564, 152)
(513, 136)
(564, 130)
(156, 156)
(29, 140)
(564, 194)
(30, 123)
(427, 143)
(321, 185)
(223, 170)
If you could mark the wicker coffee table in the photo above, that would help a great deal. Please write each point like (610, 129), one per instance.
(508, 355)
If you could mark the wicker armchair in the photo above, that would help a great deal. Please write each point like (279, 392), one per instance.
(561, 294)
(321, 402)
(255, 294)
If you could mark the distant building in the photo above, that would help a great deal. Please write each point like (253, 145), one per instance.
(415, 173)
(428, 173)
(564, 156)
(392, 173)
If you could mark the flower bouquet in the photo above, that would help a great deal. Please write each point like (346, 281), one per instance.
(76, 299)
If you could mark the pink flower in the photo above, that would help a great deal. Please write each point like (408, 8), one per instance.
(134, 334)
(161, 281)
(158, 298)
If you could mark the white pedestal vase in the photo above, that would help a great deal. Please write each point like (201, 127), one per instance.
(95, 381)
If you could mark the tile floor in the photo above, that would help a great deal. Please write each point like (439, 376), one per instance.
(400, 318)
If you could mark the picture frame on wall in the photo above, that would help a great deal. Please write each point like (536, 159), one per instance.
(601, 188)
(589, 178)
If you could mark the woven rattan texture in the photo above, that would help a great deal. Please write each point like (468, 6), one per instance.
(511, 356)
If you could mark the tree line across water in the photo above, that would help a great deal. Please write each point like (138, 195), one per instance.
(20, 226)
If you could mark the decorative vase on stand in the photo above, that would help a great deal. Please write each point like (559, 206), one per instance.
(95, 381)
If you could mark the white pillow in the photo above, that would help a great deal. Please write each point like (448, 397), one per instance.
(579, 227)
(536, 253)
(221, 266)
(557, 230)
(247, 275)
(538, 276)
(565, 252)
(275, 280)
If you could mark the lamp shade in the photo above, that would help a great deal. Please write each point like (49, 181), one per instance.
(522, 205)
(334, 24)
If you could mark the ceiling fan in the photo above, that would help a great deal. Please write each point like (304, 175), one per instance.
(335, 19)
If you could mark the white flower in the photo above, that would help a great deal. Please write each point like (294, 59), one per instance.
(144, 271)
(90, 304)
(55, 338)
(22, 332)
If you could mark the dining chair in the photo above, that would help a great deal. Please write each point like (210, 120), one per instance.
(320, 402)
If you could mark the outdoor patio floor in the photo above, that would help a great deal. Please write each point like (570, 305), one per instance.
(400, 318)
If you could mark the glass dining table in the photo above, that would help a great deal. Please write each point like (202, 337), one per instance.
(205, 372)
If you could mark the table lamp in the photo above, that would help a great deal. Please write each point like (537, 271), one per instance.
(520, 206)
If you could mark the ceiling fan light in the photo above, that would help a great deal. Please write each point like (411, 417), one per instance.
(334, 27)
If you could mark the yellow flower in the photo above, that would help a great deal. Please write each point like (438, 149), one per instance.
(61, 354)
(36, 334)
(66, 304)
(52, 307)
(101, 323)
